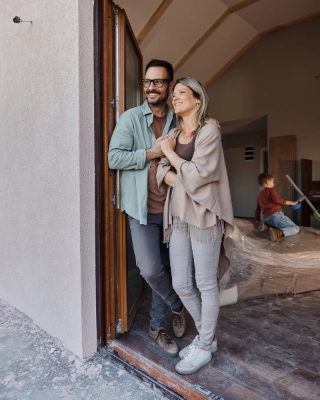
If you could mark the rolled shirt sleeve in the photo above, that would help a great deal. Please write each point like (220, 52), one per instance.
(121, 154)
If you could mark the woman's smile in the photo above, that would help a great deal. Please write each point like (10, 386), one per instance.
(183, 100)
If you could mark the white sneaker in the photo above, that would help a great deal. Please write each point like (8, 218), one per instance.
(194, 360)
(184, 351)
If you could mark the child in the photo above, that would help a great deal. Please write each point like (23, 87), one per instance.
(274, 219)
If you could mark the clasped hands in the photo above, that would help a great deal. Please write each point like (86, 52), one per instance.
(166, 144)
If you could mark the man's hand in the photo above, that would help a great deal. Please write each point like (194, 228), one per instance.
(213, 121)
(168, 145)
(155, 151)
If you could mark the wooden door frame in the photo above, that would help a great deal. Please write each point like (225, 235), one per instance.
(121, 270)
(105, 179)
(110, 223)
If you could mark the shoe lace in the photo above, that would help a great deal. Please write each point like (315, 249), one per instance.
(177, 321)
(192, 353)
(165, 337)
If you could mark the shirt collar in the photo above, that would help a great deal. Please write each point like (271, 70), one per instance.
(146, 110)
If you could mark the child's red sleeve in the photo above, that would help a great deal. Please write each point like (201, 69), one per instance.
(275, 198)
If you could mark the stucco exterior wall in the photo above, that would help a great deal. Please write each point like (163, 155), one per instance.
(47, 243)
(277, 78)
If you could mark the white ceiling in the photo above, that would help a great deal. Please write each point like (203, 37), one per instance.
(180, 27)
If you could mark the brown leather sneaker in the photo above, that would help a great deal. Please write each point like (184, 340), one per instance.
(179, 323)
(167, 344)
(275, 234)
(263, 226)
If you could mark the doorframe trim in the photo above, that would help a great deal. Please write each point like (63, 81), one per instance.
(104, 120)
(98, 168)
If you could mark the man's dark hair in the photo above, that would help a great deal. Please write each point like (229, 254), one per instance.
(163, 64)
(262, 178)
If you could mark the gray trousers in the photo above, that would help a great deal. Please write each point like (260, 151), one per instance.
(152, 258)
(194, 267)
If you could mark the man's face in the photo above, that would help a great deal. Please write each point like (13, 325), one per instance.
(157, 96)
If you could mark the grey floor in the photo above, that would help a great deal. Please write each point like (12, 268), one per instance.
(33, 365)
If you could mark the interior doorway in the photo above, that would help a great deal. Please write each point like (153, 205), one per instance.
(245, 145)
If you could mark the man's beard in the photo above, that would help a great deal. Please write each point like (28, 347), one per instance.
(158, 101)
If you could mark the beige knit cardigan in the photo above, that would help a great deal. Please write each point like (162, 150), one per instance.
(201, 188)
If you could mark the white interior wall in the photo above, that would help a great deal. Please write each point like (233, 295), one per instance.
(47, 167)
(276, 77)
(243, 175)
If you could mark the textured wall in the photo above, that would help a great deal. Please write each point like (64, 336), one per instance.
(47, 260)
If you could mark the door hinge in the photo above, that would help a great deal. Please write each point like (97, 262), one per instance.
(112, 102)
(113, 199)
(119, 326)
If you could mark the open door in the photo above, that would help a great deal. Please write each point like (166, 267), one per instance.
(129, 94)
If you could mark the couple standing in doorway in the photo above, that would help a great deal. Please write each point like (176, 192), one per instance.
(175, 191)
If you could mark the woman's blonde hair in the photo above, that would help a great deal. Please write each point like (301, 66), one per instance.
(201, 112)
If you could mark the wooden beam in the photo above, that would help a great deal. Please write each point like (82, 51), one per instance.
(211, 30)
(153, 20)
(241, 5)
(232, 60)
(291, 23)
(256, 38)
(203, 38)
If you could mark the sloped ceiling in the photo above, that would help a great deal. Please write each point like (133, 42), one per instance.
(202, 38)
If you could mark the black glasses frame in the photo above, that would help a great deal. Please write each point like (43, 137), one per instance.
(152, 81)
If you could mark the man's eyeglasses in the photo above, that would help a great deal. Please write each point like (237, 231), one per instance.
(158, 83)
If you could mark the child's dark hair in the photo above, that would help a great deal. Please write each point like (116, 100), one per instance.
(163, 64)
(262, 178)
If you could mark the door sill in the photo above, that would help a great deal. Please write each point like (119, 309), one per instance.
(161, 379)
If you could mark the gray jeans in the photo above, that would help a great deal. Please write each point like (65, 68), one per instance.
(152, 258)
(194, 267)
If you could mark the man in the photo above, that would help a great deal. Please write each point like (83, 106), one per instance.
(135, 149)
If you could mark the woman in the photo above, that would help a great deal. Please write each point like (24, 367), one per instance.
(198, 215)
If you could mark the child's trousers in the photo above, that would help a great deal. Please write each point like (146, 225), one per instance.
(280, 221)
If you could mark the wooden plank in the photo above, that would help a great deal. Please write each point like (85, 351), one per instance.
(153, 20)
(237, 392)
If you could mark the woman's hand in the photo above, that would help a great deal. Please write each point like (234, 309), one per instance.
(168, 145)
(210, 120)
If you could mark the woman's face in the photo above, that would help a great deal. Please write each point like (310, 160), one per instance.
(183, 100)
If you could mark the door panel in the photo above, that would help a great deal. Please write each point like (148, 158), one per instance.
(128, 95)
(282, 153)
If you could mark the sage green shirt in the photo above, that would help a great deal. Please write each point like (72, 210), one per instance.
(131, 138)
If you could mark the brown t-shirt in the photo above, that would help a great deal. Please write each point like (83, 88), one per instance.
(156, 199)
(185, 151)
